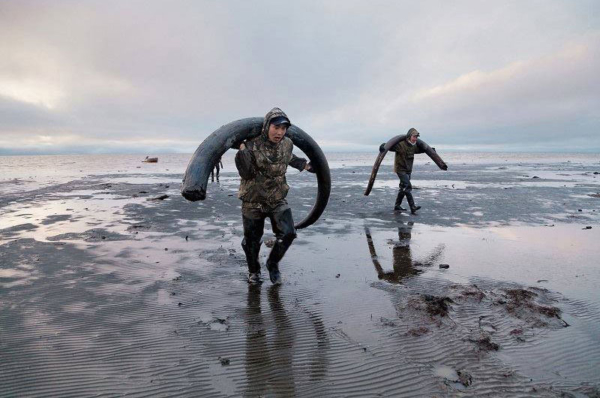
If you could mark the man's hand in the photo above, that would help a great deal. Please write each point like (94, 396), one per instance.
(242, 146)
(308, 167)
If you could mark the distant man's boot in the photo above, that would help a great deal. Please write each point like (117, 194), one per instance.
(399, 199)
(411, 203)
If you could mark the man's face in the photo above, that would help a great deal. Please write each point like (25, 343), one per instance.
(413, 139)
(276, 133)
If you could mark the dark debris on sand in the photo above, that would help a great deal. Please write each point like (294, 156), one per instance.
(437, 305)
(521, 300)
(485, 343)
(464, 378)
(417, 332)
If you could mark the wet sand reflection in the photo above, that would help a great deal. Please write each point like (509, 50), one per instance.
(403, 263)
(270, 351)
(268, 366)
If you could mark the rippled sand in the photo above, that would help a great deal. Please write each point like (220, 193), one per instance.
(105, 292)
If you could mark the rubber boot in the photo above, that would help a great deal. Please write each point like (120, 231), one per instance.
(252, 249)
(274, 273)
(411, 203)
(279, 249)
(399, 199)
(283, 226)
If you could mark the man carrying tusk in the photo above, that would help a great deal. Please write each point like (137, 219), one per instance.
(262, 163)
(403, 165)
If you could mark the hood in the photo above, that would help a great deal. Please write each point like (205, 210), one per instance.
(411, 132)
(273, 113)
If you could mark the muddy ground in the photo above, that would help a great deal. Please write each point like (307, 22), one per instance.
(107, 290)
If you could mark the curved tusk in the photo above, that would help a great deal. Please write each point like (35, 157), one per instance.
(231, 135)
(388, 145)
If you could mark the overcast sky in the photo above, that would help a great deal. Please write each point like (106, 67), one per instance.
(159, 76)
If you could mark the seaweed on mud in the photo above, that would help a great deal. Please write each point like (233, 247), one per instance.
(520, 299)
(437, 305)
(417, 332)
(468, 292)
(485, 343)
(520, 295)
(478, 295)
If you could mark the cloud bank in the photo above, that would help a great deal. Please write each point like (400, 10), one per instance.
(152, 76)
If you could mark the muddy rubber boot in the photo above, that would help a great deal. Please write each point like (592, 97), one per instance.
(411, 203)
(274, 273)
(252, 250)
(399, 199)
(254, 278)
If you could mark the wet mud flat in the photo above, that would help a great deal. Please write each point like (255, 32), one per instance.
(107, 287)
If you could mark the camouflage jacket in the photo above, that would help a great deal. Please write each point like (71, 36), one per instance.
(405, 156)
(262, 166)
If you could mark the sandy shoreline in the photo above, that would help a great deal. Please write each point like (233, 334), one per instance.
(105, 291)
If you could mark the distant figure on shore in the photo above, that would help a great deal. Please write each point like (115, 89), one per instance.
(406, 150)
(216, 170)
(262, 163)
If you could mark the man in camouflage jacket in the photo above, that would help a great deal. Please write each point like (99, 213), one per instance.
(262, 163)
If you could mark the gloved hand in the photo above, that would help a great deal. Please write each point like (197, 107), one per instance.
(382, 147)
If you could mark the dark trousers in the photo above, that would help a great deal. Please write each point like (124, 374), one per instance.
(212, 173)
(254, 224)
(405, 190)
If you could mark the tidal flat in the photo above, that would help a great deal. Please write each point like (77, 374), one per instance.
(490, 290)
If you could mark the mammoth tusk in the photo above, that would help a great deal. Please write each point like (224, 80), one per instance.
(231, 135)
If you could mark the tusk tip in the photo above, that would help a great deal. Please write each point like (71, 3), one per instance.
(194, 194)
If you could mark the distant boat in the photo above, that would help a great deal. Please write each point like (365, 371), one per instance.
(150, 160)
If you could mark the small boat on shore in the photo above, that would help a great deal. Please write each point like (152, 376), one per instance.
(150, 160)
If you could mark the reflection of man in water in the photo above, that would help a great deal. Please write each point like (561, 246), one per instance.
(404, 265)
(268, 368)
(270, 351)
(216, 169)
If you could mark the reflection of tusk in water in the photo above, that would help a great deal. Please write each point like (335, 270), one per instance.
(231, 135)
(388, 145)
(374, 257)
